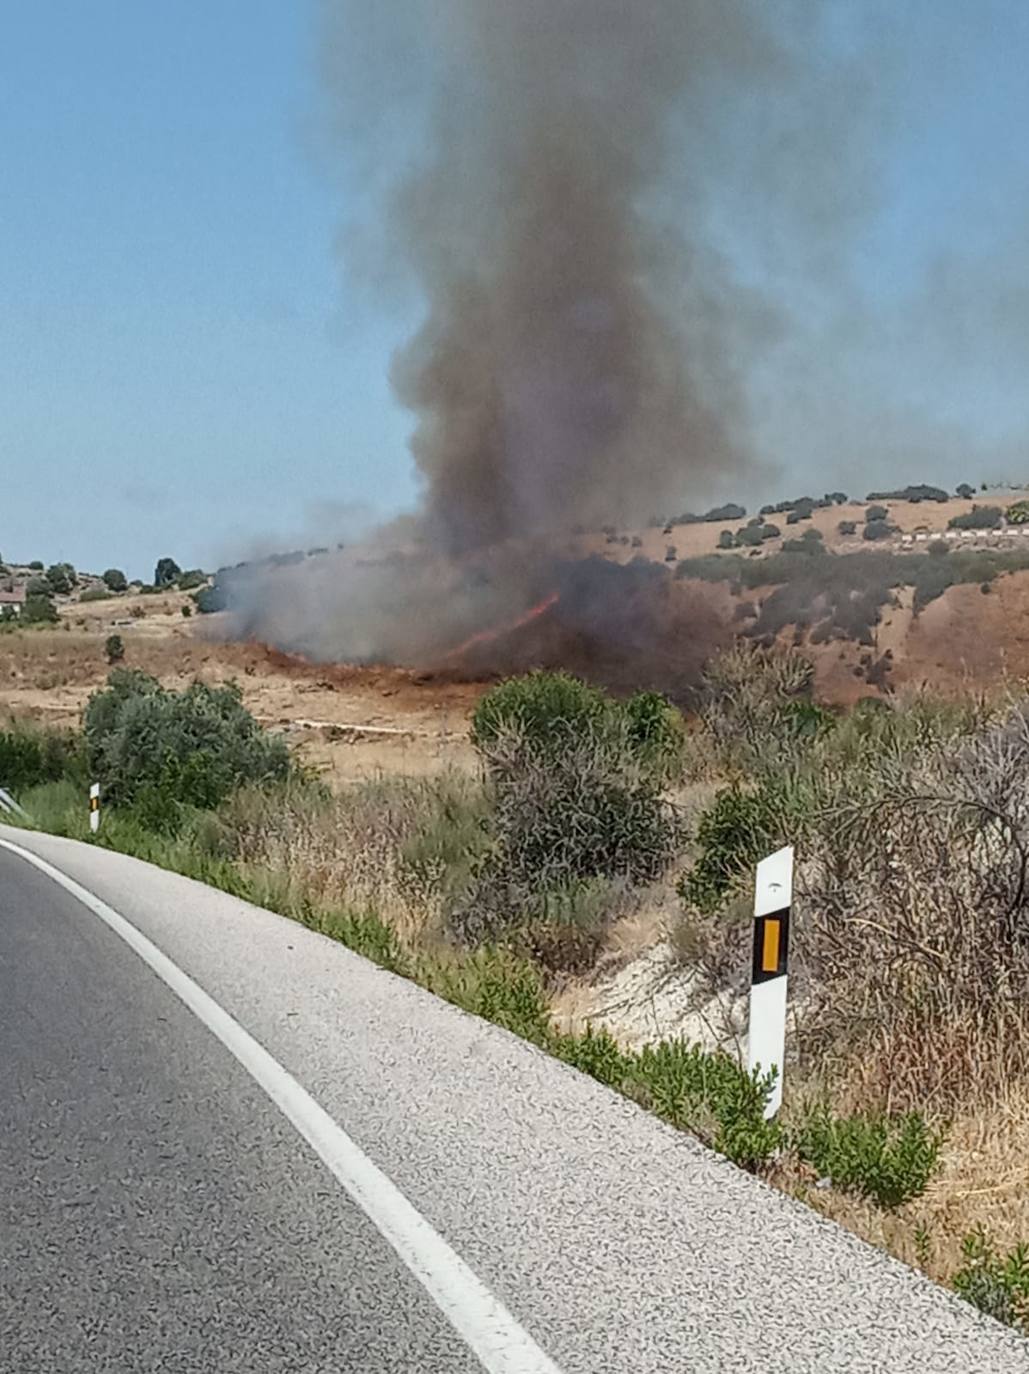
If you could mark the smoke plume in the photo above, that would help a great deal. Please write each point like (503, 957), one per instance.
(545, 172)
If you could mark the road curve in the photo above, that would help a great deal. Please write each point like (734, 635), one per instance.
(158, 1211)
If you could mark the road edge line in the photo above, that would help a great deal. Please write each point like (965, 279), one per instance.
(492, 1333)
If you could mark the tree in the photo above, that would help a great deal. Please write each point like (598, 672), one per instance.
(115, 580)
(727, 540)
(965, 491)
(878, 529)
(62, 578)
(167, 572)
(876, 513)
(193, 577)
(114, 648)
(38, 610)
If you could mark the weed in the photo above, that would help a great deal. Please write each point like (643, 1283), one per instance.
(889, 1160)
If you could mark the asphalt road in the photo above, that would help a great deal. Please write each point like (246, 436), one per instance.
(159, 1212)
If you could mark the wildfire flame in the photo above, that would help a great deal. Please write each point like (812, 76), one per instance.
(488, 636)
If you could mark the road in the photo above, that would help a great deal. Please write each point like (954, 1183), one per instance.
(465, 1203)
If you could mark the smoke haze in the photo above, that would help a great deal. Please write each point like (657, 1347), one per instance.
(569, 189)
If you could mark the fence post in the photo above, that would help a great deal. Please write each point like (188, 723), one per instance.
(94, 807)
(766, 1042)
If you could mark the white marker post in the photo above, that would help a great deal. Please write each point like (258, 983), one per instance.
(94, 807)
(767, 1040)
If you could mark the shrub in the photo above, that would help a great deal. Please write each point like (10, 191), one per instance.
(114, 648)
(33, 756)
(576, 780)
(61, 578)
(726, 540)
(38, 610)
(997, 1285)
(187, 611)
(209, 600)
(166, 573)
(749, 536)
(914, 494)
(722, 514)
(670, 554)
(846, 527)
(95, 594)
(37, 586)
(551, 711)
(740, 827)
(876, 513)
(878, 529)
(164, 750)
(965, 491)
(709, 1095)
(36, 565)
(887, 1159)
(191, 579)
(115, 580)
(978, 518)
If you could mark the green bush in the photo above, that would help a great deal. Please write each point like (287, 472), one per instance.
(33, 755)
(740, 827)
(596, 1053)
(38, 610)
(996, 1284)
(61, 578)
(95, 594)
(876, 513)
(576, 781)
(163, 750)
(495, 985)
(114, 648)
(548, 710)
(877, 529)
(209, 600)
(115, 580)
(192, 578)
(709, 1095)
(887, 1159)
(978, 518)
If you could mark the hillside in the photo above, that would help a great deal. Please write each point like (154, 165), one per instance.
(354, 721)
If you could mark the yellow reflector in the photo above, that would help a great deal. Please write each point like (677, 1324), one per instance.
(770, 948)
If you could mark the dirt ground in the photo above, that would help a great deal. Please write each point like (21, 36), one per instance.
(350, 722)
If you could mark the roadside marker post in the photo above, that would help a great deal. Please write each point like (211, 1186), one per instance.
(766, 1042)
(7, 803)
(94, 807)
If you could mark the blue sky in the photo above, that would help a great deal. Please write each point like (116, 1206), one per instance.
(184, 370)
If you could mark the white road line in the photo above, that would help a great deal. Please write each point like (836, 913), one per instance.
(498, 1340)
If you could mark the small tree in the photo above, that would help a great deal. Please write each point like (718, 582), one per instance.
(167, 572)
(114, 648)
(38, 610)
(115, 580)
(727, 540)
(62, 578)
(876, 513)
(965, 491)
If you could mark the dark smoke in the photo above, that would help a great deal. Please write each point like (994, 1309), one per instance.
(582, 345)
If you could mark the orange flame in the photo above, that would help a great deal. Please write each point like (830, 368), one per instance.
(487, 636)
